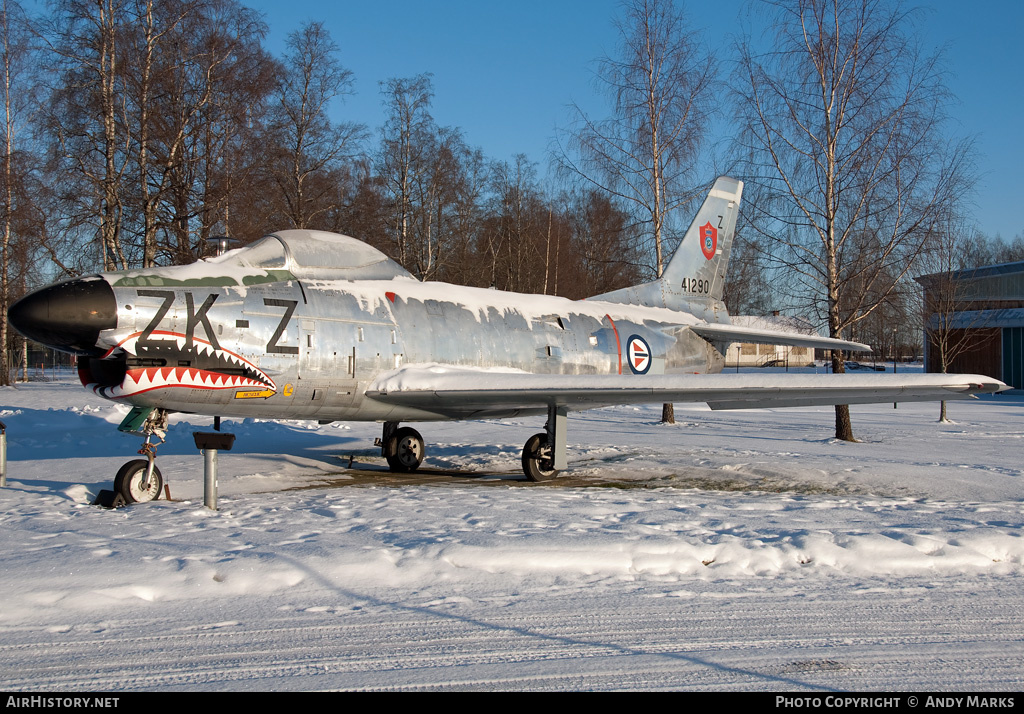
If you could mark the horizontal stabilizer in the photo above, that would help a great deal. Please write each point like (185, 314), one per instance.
(457, 393)
(739, 333)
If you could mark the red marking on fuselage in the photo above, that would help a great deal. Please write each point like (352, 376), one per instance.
(618, 345)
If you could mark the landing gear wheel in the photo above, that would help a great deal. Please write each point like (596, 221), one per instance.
(538, 463)
(129, 482)
(404, 450)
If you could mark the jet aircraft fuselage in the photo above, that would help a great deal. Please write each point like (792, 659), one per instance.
(224, 338)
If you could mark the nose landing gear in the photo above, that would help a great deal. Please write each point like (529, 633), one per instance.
(139, 480)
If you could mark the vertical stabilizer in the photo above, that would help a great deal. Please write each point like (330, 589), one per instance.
(695, 277)
(699, 263)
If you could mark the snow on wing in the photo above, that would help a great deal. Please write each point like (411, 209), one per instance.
(470, 392)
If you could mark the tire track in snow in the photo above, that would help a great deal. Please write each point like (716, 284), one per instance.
(715, 639)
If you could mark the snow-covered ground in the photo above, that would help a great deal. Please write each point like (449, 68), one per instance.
(734, 550)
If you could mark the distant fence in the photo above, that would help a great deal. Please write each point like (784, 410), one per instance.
(44, 365)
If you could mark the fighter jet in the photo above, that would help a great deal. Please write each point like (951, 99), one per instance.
(304, 324)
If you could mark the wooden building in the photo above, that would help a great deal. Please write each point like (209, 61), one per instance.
(975, 319)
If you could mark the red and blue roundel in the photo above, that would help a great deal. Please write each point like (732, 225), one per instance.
(638, 352)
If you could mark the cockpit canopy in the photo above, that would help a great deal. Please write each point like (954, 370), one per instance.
(316, 255)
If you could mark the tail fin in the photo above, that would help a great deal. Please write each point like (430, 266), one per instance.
(697, 268)
(696, 274)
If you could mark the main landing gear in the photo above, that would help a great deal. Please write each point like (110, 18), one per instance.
(140, 480)
(402, 447)
(538, 463)
(543, 455)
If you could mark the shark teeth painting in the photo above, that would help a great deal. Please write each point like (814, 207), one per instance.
(170, 359)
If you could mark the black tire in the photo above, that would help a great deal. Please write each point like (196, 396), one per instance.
(538, 466)
(405, 450)
(128, 482)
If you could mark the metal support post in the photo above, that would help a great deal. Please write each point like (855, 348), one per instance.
(3, 455)
(558, 423)
(210, 443)
(210, 479)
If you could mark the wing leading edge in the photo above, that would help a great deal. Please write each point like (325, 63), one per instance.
(463, 393)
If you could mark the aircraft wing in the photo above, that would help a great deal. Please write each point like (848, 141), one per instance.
(464, 393)
(737, 333)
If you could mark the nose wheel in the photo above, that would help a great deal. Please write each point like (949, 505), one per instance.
(136, 485)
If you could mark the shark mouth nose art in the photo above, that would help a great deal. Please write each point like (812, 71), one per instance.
(172, 360)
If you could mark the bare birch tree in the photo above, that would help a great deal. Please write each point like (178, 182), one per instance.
(150, 29)
(220, 61)
(516, 239)
(15, 60)
(403, 156)
(431, 182)
(87, 46)
(842, 132)
(308, 145)
(661, 87)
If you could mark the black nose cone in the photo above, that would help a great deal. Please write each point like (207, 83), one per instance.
(67, 316)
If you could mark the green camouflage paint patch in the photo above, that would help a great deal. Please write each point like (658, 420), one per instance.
(272, 276)
(213, 281)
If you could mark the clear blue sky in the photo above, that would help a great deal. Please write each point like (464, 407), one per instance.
(504, 72)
